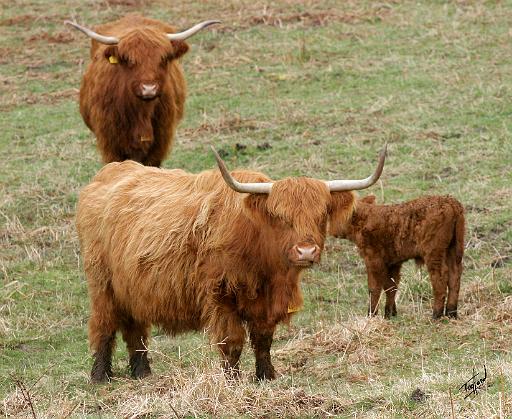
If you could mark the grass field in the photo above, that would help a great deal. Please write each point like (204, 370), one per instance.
(325, 84)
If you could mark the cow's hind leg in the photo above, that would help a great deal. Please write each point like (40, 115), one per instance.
(135, 334)
(391, 287)
(103, 325)
(261, 341)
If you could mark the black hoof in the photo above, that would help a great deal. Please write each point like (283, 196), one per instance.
(452, 313)
(265, 371)
(101, 372)
(389, 312)
(139, 365)
(436, 315)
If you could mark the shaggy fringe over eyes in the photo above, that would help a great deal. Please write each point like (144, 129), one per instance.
(298, 202)
(135, 45)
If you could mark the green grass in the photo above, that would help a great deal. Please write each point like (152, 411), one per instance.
(326, 85)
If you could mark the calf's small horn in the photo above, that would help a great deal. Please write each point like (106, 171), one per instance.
(353, 185)
(108, 40)
(181, 36)
(263, 187)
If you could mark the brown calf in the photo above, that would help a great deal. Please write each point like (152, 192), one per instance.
(429, 229)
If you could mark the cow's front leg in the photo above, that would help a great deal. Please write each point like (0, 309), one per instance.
(261, 341)
(229, 335)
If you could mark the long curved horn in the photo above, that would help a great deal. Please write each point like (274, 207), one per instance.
(181, 36)
(263, 187)
(353, 185)
(108, 40)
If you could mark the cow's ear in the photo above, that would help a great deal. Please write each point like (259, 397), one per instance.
(256, 207)
(370, 199)
(111, 51)
(340, 212)
(179, 48)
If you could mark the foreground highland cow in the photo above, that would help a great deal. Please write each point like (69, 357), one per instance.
(200, 252)
(429, 229)
(133, 91)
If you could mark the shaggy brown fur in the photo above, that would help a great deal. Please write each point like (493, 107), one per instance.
(111, 103)
(186, 252)
(429, 229)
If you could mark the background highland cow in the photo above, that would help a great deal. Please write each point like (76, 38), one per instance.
(133, 91)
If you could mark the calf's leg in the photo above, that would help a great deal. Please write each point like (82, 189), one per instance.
(377, 275)
(391, 287)
(455, 273)
(261, 341)
(438, 273)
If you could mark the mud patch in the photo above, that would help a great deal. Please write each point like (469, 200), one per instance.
(128, 3)
(224, 125)
(57, 38)
(22, 20)
(31, 99)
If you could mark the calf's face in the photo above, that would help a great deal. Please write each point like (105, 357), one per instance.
(347, 229)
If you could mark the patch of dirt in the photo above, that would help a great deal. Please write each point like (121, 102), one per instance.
(310, 19)
(31, 99)
(31, 20)
(223, 125)
(500, 261)
(58, 38)
(128, 3)
(281, 17)
(419, 396)
(21, 20)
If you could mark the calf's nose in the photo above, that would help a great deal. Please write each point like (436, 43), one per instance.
(307, 253)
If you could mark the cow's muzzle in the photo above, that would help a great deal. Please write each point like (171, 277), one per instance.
(148, 91)
(304, 255)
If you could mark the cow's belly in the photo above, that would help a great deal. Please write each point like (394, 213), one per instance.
(174, 305)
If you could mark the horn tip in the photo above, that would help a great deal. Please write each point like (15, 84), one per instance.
(384, 150)
(217, 156)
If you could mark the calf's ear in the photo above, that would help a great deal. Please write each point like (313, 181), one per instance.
(370, 199)
(340, 212)
(179, 48)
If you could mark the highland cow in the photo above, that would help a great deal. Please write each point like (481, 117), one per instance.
(133, 91)
(429, 229)
(209, 251)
